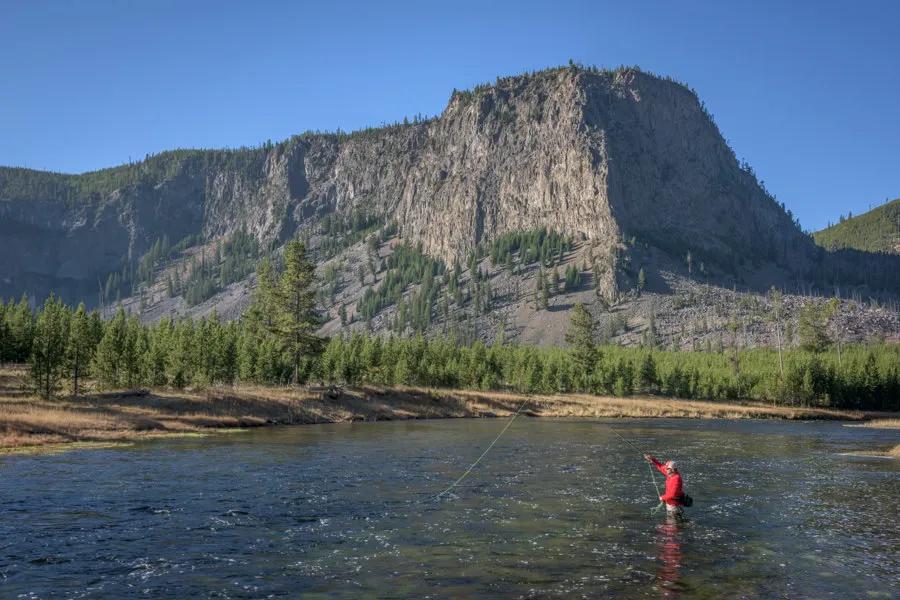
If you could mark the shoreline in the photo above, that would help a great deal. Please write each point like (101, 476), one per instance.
(29, 424)
(888, 453)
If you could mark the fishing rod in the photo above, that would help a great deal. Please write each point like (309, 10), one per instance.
(502, 431)
(643, 454)
(483, 454)
(624, 439)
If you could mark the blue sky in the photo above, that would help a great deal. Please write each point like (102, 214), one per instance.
(807, 92)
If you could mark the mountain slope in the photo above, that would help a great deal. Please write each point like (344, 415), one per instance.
(618, 179)
(875, 231)
(586, 153)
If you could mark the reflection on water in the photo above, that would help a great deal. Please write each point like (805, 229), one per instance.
(669, 555)
(558, 509)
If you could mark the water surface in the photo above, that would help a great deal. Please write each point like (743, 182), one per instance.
(558, 509)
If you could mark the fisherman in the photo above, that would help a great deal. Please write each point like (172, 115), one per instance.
(674, 496)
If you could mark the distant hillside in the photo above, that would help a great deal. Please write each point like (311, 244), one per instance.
(602, 157)
(875, 231)
(613, 189)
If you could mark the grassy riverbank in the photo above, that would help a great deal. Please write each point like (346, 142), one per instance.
(28, 422)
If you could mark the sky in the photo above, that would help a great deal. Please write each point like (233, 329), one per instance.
(807, 92)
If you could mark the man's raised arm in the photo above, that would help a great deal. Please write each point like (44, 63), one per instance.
(659, 466)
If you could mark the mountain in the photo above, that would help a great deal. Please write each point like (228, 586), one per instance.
(875, 231)
(619, 178)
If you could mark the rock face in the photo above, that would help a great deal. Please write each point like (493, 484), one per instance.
(600, 156)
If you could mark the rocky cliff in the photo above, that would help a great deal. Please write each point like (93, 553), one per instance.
(601, 156)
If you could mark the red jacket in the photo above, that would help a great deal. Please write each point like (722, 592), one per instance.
(674, 493)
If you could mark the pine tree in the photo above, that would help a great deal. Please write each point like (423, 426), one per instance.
(247, 355)
(261, 314)
(581, 338)
(96, 328)
(371, 358)
(328, 361)
(258, 326)
(651, 336)
(48, 356)
(20, 323)
(221, 359)
(646, 374)
(812, 326)
(295, 301)
(642, 280)
(154, 364)
(80, 346)
(178, 359)
(133, 352)
(203, 351)
(108, 357)
(573, 278)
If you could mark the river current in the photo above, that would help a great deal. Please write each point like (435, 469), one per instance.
(557, 509)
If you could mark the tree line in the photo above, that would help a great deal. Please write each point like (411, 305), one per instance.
(863, 376)
(275, 342)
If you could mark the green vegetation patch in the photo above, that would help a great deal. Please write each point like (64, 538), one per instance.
(341, 231)
(875, 231)
(406, 266)
(858, 377)
(32, 185)
(230, 262)
(527, 247)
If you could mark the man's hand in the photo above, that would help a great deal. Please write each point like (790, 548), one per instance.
(648, 458)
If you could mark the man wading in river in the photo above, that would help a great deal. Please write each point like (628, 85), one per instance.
(674, 497)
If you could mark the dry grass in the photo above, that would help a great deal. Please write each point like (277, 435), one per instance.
(27, 422)
(583, 405)
(879, 424)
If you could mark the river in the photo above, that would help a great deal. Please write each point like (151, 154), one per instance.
(557, 509)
